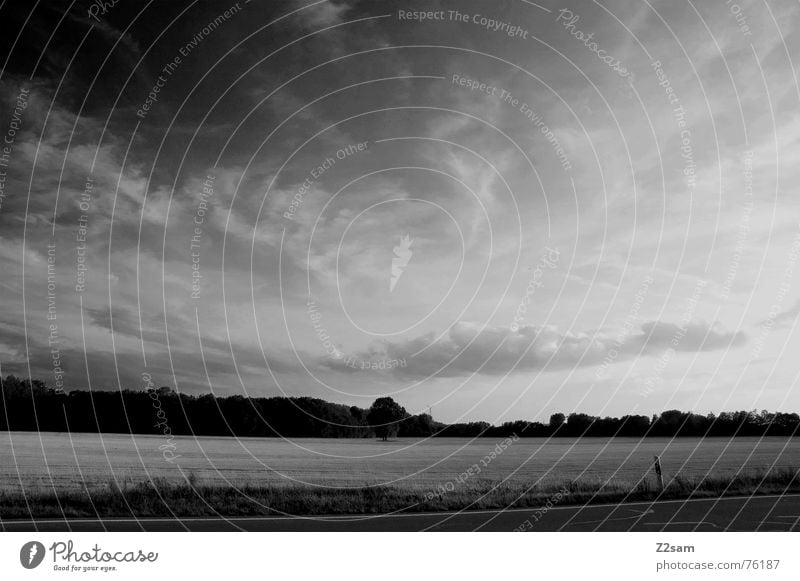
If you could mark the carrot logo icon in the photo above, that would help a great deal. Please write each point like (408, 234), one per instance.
(31, 554)
(402, 255)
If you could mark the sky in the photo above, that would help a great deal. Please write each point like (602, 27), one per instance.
(490, 210)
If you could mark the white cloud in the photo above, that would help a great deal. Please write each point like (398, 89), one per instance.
(470, 348)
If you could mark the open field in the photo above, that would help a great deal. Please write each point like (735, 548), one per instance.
(45, 461)
(116, 475)
(162, 499)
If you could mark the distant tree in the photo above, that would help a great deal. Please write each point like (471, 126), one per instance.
(557, 420)
(633, 425)
(579, 424)
(383, 416)
(30, 405)
(467, 430)
(419, 426)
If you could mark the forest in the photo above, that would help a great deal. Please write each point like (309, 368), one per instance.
(30, 405)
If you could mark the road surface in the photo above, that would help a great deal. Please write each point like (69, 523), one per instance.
(759, 513)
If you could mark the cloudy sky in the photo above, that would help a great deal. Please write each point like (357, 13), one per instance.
(496, 209)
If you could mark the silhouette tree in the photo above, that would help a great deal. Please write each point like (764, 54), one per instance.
(557, 420)
(383, 416)
(29, 405)
(418, 426)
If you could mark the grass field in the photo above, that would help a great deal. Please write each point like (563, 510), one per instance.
(163, 499)
(48, 461)
(115, 475)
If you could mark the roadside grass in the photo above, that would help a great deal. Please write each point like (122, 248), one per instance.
(165, 499)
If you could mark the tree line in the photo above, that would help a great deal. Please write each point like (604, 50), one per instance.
(670, 423)
(29, 405)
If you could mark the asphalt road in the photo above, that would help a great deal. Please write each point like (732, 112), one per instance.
(760, 513)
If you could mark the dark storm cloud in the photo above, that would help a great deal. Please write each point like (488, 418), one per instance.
(386, 82)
